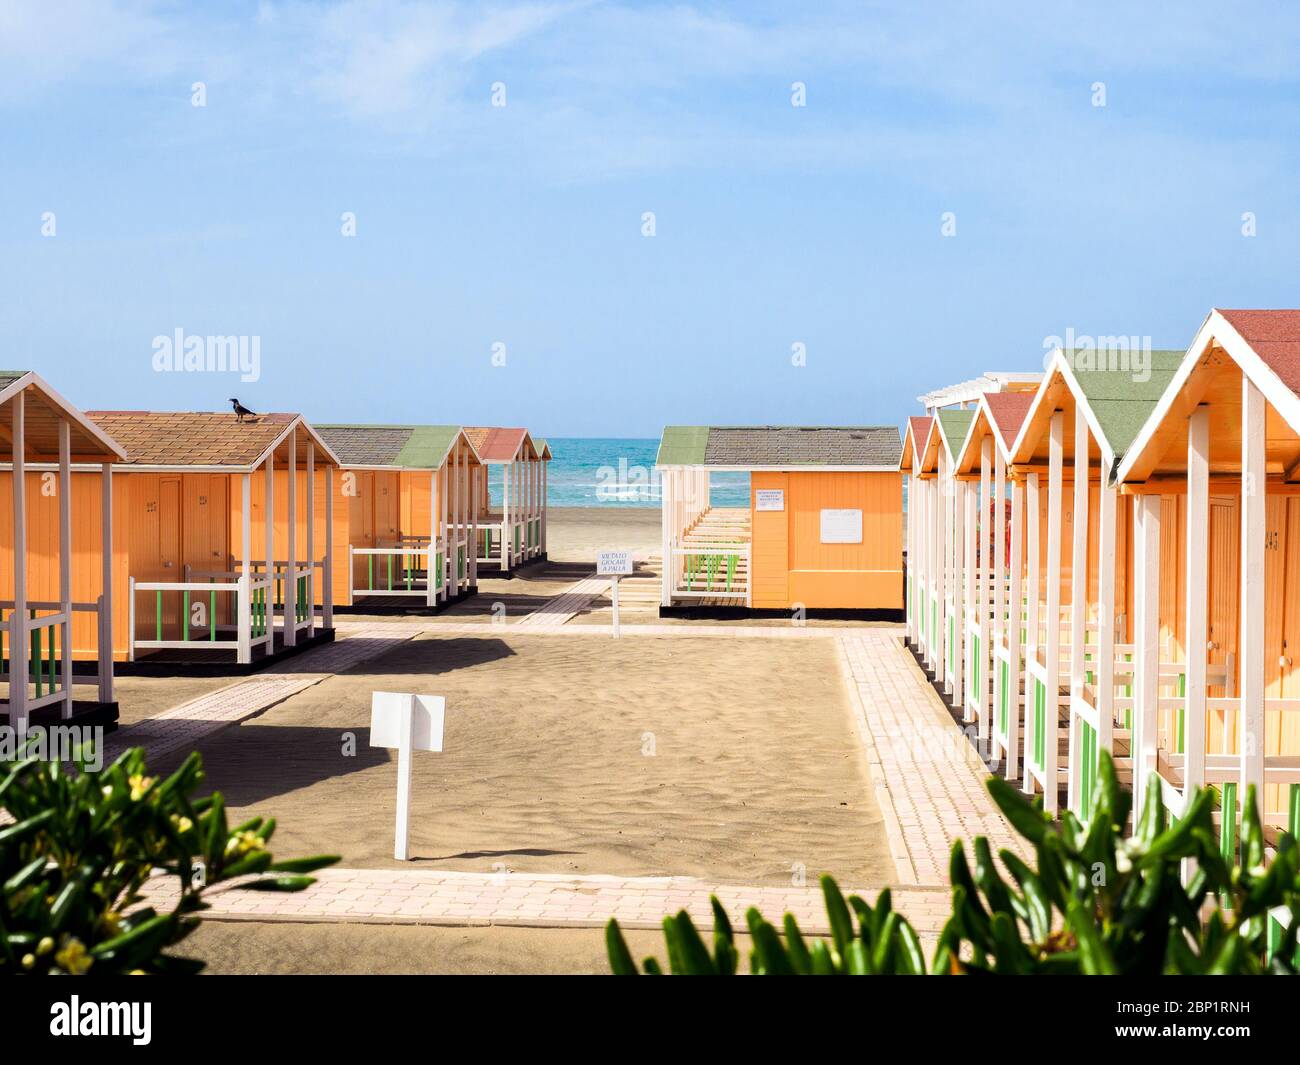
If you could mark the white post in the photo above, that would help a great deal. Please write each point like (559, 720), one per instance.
(1033, 517)
(1146, 645)
(65, 561)
(404, 750)
(431, 584)
(545, 474)
(244, 597)
(985, 604)
(1052, 721)
(1106, 614)
(999, 520)
(290, 544)
(327, 592)
(613, 593)
(471, 552)
(666, 513)
(506, 535)
(964, 593)
(1078, 603)
(269, 517)
(106, 602)
(1251, 643)
(1013, 628)
(1198, 521)
(940, 553)
(310, 606)
(18, 641)
(444, 506)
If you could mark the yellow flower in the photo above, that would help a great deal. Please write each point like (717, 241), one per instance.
(29, 961)
(137, 972)
(139, 785)
(183, 824)
(74, 958)
(45, 945)
(112, 922)
(243, 842)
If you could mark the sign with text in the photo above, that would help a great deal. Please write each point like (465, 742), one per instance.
(769, 499)
(841, 526)
(613, 563)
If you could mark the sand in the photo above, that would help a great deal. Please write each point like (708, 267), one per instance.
(751, 767)
(260, 948)
(140, 698)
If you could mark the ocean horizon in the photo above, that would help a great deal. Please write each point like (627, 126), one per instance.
(615, 472)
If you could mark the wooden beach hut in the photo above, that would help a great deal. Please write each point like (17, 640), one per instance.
(1226, 428)
(929, 534)
(58, 554)
(406, 507)
(516, 533)
(226, 536)
(1080, 551)
(823, 529)
(915, 435)
(992, 520)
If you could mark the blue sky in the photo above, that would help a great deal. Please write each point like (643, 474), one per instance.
(522, 225)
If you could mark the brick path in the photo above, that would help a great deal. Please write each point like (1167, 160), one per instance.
(535, 900)
(929, 780)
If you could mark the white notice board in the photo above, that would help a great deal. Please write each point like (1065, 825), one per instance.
(769, 499)
(388, 712)
(613, 563)
(841, 526)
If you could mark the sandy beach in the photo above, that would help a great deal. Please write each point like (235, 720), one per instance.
(736, 760)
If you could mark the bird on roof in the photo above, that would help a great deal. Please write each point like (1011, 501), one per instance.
(241, 412)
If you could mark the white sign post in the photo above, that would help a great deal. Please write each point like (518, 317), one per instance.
(409, 723)
(614, 564)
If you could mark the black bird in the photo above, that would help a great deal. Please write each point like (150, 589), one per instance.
(241, 412)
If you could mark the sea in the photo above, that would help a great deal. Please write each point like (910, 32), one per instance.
(601, 472)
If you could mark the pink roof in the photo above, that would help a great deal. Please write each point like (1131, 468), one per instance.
(495, 444)
(1275, 337)
(919, 426)
(1009, 410)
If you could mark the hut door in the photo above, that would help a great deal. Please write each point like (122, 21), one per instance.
(169, 549)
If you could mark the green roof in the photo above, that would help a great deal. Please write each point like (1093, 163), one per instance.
(954, 424)
(419, 447)
(683, 445)
(1119, 401)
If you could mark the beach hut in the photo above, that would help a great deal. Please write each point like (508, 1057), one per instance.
(915, 435)
(1079, 554)
(823, 529)
(516, 533)
(1226, 427)
(992, 536)
(929, 534)
(57, 556)
(406, 506)
(227, 524)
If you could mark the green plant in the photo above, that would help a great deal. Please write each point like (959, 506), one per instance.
(1093, 902)
(82, 845)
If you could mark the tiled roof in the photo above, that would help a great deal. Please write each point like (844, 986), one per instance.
(780, 445)
(1121, 402)
(1275, 337)
(495, 444)
(953, 426)
(1008, 410)
(411, 446)
(190, 438)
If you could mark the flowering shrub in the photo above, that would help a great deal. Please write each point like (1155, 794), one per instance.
(83, 843)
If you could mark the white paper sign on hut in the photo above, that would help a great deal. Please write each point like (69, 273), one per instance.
(408, 723)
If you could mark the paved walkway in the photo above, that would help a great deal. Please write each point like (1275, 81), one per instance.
(179, 728)
(929, 780)
(393, 896)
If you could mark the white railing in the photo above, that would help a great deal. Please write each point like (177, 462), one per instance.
(719, 571)
(196, 625)
(46, 678)
(398, 573)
